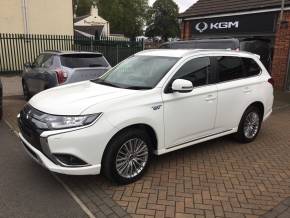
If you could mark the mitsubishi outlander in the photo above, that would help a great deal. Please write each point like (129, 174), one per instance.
(154, 102)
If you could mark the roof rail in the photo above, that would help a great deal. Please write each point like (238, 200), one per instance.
(57, 51)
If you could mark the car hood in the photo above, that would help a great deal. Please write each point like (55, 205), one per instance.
(75, 98)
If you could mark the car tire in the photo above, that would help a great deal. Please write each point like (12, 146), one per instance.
(26, 92)
(127, 156)
(250, 125)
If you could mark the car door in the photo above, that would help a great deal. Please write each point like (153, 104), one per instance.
(32, 74)
(42, 77)
(237, 86)
(189, 116)
(43, 62)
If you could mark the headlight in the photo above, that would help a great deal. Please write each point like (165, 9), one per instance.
(63, 122)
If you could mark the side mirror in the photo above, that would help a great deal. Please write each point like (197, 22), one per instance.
(28, 65)
(182, 85)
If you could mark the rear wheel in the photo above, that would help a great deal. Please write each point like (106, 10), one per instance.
(250, 125)
(127, 156)
(26, 91)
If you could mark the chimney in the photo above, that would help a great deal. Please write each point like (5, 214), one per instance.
(94, 10)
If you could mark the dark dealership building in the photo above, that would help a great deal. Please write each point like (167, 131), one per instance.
(266, 21)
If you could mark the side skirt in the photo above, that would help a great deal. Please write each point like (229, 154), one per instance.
(196, 141)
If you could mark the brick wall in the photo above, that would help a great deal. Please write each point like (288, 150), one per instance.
(281, 52)
(186, 30)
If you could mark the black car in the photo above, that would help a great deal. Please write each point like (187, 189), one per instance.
(232, 44)
(1, 100)
(258, 46)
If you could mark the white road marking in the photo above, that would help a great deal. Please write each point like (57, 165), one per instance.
(75, 197)
(69, 191)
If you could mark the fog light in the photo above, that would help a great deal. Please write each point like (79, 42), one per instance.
(70, 160)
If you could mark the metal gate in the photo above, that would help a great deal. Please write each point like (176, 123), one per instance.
(17, 49)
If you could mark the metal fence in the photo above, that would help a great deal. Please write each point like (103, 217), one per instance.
(17, 49)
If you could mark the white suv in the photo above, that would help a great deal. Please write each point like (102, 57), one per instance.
(156, 101)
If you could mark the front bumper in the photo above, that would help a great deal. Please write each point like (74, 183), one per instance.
(75, 151)
(40, 158)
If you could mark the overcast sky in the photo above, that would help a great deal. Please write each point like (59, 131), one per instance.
(183, 4)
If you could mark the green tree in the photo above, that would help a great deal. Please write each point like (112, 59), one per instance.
(162, 19)
(125, 17)
(82, 7)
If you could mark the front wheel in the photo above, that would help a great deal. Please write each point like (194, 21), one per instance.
(250, 125)
(127, 156)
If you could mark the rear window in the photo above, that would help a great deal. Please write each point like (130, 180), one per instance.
(251, 67)
(229, 68)
(83, 60)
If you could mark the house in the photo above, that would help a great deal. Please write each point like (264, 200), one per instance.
(53, 17)
(267, 20)
(91, 25)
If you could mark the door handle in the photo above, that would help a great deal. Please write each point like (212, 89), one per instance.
(210, 98)
(247, 90)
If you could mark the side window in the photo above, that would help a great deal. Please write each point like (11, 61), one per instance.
(229, 68)
(195, 70)
(251, 67)
(39, 60)
(47, 61)
(43, 60)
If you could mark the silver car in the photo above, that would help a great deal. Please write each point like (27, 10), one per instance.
(54, 68)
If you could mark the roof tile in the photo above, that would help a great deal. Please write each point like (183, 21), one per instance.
(212, 7)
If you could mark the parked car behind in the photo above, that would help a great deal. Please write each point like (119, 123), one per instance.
(156, 101)
(54, 68)
(1, 100)
(232, 44)
(257, 46)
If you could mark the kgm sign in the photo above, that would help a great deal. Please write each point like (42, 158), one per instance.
(203, 26)
(259, 23)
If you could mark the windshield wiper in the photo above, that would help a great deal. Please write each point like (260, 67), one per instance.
(139, 87)
(102, 82)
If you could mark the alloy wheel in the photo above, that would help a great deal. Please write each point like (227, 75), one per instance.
(132, 158)
(251, 125)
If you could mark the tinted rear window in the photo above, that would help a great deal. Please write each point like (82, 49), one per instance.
(251, 67)
(83, 60)
(229, 68)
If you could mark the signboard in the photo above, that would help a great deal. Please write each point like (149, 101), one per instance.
(242, 24)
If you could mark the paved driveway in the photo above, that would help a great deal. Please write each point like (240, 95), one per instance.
(26, 189)
(219, 178)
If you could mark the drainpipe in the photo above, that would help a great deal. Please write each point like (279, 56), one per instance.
(287, 77)
(25, 16)
(282, 10)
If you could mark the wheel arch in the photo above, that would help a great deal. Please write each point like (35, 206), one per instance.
(260, 106)
(147, 128)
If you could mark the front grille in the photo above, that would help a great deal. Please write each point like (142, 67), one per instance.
(27, 128)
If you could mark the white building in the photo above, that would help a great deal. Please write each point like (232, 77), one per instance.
(92, 25)
(53, 17)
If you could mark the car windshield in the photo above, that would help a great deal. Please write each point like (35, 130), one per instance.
(138, 72)
(83, 60)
